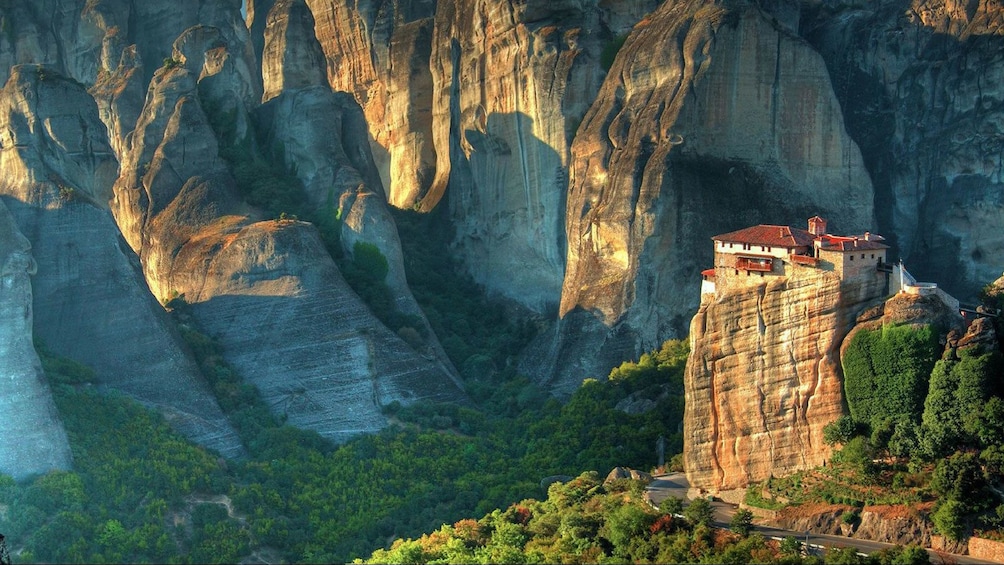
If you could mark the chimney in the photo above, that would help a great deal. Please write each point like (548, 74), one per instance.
(817, 226)
(868, 236)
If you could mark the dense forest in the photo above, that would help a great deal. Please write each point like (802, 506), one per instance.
(139, 492)
(587, 520)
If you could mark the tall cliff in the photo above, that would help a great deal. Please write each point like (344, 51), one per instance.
(763, 376)
(133, 157)
(585, 195)
(713, 116)
(920, 81)
(267, 289)
(34, 438)
(474, 104)
(89, 297)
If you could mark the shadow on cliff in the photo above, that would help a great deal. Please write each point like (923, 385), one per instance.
(507, 195)
(92, 305)
(580, 345)
(322, 360)
(907, 135)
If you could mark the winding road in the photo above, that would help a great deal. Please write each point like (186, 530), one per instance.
(675, 485)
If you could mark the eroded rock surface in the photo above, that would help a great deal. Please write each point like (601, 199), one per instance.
(321, 136)
(920, 82)
(34, 438)
(267, 289)
(712, 117)
(89, 295)
(510, 83)
(764, 377)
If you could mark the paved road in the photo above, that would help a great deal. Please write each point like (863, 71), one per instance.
(675, 485)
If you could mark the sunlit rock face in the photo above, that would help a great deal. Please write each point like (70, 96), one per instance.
(713, 117)
(34, 438)
(764, 376)
(510, 83)
(321, 136)
(266, 289)
(921, 85)
(378, 51)
(57, 172)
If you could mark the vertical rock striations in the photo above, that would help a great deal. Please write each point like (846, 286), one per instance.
(510, 81)
(267, 289)
(763, 376)
(920, 82)
(321, 136)
(379, 52)
(34, 440)
(711, 117)
(57, 171)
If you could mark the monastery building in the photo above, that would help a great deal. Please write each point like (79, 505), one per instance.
(746, 256)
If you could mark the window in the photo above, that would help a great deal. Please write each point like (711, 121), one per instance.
(873, 255)
(852, 257)
(862, 255)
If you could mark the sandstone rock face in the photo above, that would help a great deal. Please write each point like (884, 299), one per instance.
(901, 525)
(711, 118)
(379, 52)
(904, 308)
(509, 83)
(921, 85)
(34, 438)
(322, 136)
(89, 297)
(292, 58)
(268, 290)
(763, 377)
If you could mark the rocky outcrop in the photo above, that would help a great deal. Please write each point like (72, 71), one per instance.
(34, 438)
(901, 525)
(267, 289)
(89, 298)
(711, 117)
(904, 308)
(510, 83)
(321, 136)
(763, 377)
(379, 52)
(919, 82)
(291, 58)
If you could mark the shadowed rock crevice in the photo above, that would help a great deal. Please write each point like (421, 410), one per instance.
(918, 81)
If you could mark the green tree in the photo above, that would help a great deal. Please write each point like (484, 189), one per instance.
(699, 512)
(742, 522)
(957, 404)
(840, 431)
(624, 524)
(959, 477)
(886, 372)
(950, 519)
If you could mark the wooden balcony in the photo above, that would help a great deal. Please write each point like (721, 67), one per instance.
(761, 264)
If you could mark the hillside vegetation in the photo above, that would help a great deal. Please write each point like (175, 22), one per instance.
(925, 430)
(139, 492)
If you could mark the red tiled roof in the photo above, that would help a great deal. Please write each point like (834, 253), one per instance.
(708, 272)
(855, 243)
(774, 236)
